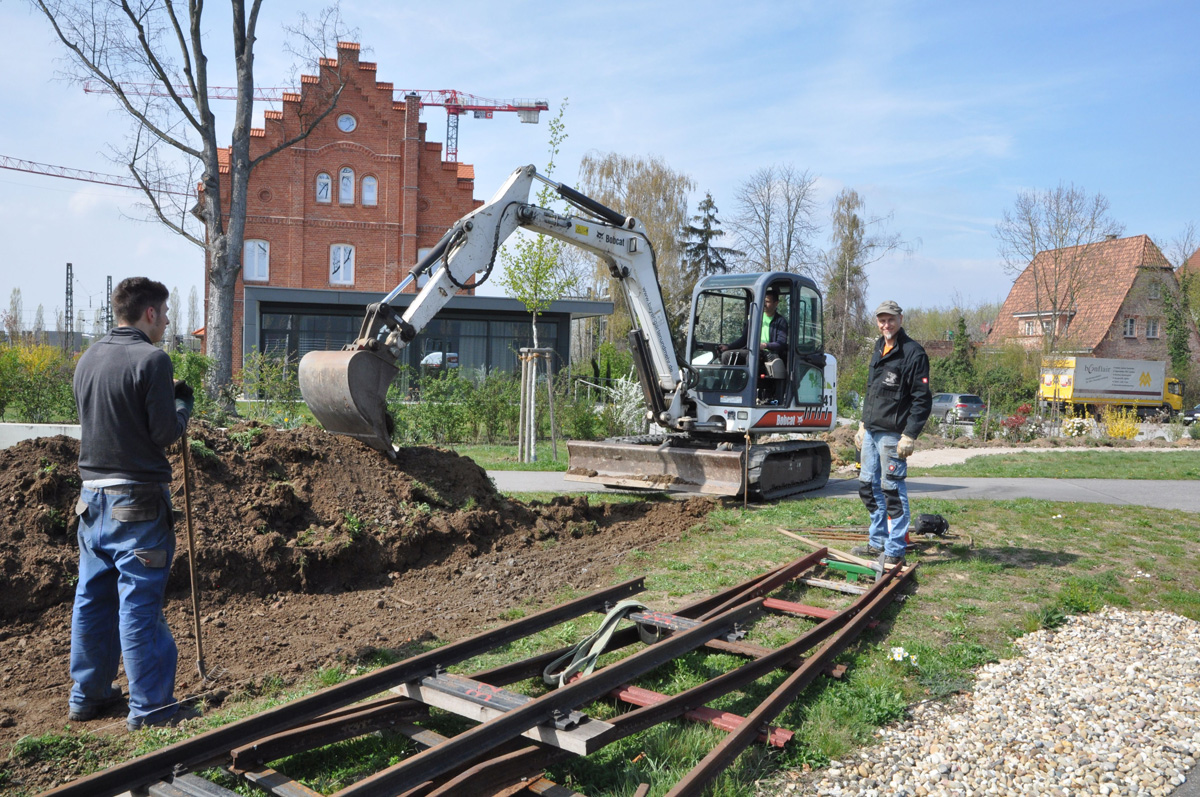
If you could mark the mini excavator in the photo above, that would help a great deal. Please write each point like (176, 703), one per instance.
(731, 388)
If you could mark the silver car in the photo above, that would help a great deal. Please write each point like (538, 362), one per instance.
(957, 406)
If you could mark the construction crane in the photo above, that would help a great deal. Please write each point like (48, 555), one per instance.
(457, 103)
(33, 167)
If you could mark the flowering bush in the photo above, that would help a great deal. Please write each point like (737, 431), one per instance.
(1077, 427)
(1120, 423)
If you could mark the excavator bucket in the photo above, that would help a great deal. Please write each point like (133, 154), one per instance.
(347, 392)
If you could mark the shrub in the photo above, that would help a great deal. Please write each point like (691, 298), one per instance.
(1019, 427)
(494, 408)
(1077, 427)
(1119, 423)
(193, 367)
(269, 380)
(39, 381)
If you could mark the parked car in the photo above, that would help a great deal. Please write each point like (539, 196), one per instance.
(958, 406)
(1189, 416)
(440, 361)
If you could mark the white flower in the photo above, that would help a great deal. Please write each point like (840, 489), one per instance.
(899, 654)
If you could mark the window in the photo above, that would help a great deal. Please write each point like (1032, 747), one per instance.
(1152, 328)
(1155, 291)
(256, 261)
(346, 186)
(370, 192)
(1029, 328)
(324, 187)
(1131, 327)
(1047, 327)
(341, 264)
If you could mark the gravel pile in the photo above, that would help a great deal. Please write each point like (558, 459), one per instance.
(1108, 704)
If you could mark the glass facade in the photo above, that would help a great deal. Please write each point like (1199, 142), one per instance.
(482, 344)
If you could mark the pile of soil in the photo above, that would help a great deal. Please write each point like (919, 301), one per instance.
(311, 549)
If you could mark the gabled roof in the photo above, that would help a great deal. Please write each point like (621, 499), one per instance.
(1109, 269)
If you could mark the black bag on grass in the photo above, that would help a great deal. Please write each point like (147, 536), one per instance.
(930, 524)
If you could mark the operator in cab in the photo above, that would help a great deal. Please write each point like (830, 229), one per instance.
(897, 404)
(772, 340)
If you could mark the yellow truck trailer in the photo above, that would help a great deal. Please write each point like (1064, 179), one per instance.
(1089, 383)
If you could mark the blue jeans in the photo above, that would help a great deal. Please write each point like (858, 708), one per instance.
(883, 491)
(126, 544)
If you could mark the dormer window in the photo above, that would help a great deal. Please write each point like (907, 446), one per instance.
(346, 186)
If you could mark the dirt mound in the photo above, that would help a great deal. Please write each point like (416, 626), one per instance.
(311, 548)
(275, 511)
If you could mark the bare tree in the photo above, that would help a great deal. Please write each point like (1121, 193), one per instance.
(856, 241)
(773, 219)
(1050, 235)
(657, 196)
(173, 138)
(13, 319)
(193, 311)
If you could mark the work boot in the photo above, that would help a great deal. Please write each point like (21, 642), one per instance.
(183, 713)
(866, 551)
(893, 560)
(96, 709)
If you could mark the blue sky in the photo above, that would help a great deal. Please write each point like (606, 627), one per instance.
(937, 113)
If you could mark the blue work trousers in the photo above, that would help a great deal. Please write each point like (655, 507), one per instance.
(882, 489)
(126, 544)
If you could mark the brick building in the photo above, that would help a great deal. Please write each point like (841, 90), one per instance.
(337, 220)
(1116, 308)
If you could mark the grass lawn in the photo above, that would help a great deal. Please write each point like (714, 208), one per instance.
(1033, 562)
(504, 457)
(1082, 464)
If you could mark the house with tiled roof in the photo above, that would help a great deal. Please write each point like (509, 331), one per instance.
(1111, 304)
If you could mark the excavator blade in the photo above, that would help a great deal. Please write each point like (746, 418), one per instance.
(347, 392)
(774, 470)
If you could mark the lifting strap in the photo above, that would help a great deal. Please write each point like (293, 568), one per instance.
(582, 657)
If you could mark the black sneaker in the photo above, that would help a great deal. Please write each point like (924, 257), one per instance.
(867, 551)
(182, 714)
(96, 709)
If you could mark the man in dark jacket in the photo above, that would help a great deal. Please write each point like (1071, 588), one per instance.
(895, 409)
(130, 410)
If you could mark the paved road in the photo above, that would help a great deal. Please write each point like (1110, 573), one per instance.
(1182, 495)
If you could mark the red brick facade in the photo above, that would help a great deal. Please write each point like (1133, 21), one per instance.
(418, 196)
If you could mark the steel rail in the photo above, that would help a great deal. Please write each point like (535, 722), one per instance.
(469, 744)
(185, 755)
(481, 781)
(738, 740)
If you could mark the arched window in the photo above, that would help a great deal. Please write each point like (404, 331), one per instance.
(370, 191)
(324, 187)
(341, 264)
(346, 186)
(256, 261)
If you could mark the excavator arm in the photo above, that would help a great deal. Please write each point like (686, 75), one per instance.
(347, 390)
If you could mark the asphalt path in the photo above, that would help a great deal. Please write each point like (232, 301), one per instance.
(1182, 495)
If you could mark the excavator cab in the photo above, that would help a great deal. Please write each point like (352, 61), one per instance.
(755, 343)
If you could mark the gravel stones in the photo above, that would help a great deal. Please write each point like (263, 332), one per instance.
(1107, 704)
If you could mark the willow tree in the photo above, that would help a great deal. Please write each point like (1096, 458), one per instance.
(657, 196)
(152, 56)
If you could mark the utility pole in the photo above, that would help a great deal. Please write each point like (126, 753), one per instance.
(108, 306)
(68, 343)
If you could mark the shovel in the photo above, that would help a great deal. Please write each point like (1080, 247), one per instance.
(185, 455)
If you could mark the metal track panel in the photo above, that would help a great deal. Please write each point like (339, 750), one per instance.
(468, 745)
(189, 753)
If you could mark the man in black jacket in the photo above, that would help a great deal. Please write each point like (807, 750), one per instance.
(130, 410)
(895, 409)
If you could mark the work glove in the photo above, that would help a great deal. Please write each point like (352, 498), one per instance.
(185, 398)
(859, 436)
(906, 446)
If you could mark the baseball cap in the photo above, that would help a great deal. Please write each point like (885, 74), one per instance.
(890, 308)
